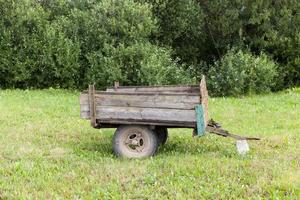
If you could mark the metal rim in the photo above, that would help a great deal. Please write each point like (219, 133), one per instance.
(135, 141)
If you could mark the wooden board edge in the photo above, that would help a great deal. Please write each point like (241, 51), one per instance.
(92, 105)
(204, 99)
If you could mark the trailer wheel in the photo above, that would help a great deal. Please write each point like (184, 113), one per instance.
(134, 141)
(162, 135)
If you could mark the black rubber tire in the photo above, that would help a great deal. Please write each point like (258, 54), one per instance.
(125, 132)
(162, 135)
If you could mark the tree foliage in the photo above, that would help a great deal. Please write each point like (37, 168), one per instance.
(269, 26)
(241, 72)
(70, 43)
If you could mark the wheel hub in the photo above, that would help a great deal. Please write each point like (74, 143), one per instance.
(135, 142)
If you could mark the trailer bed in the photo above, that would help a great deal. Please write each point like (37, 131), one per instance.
(168, 106)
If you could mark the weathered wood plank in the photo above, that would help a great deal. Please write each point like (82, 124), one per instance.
(204, 99)
(161, 89)
(114, 123)
(146, 101)
(171, 106)
(92, 105)
(167, 93)
(144, 114)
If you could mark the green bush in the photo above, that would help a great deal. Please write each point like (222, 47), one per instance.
(159, 69)
(69, 44)
(34, 52)
(136, 64)
(239, 73)
(121, 30)
(199, 30)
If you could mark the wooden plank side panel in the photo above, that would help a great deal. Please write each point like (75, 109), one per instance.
(141, 114)
(116, 122)
(162, 89)
(144, 101)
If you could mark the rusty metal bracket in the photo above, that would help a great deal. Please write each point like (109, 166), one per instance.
(215, 128)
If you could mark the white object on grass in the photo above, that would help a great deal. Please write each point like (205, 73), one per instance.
(242, 146)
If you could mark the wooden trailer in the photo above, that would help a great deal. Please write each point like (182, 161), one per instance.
(143, 114)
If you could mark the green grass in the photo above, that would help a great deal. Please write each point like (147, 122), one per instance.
(48, 152)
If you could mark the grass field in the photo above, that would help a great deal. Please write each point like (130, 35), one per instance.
(48, 152)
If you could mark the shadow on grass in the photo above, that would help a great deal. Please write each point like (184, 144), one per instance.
(94, 147)
(101, 147)
(197, 146)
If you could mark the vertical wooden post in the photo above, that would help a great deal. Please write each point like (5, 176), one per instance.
(204, 99)
(117, 84)
(92, 105)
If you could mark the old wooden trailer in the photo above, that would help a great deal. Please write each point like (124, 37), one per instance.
(143, 114)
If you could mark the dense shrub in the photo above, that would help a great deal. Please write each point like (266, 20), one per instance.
(70, 44)
(139, 63)
(182, 26)
(241, 72)
(201, 31)
(124, 53)
(34, 53)
(63, 43)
